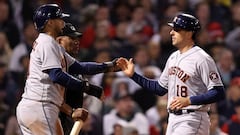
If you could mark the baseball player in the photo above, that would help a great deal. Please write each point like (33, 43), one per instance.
(190, 78)
(37, 112)
(70, 41)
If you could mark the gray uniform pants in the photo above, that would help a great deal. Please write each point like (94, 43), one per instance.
(194, 123)
(38, 118)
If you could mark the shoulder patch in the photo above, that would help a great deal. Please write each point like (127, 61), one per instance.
(214, 76)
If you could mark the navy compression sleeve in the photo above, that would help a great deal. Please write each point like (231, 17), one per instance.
(150, 85)
(87, 68)
(212, 95)
(64, 79)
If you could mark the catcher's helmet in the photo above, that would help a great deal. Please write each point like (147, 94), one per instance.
(186, 22)
(46, 12)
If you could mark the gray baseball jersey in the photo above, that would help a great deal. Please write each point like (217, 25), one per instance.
(189, 74)
(46, 54)
(37, 112)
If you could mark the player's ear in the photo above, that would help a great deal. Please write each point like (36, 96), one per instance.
(59, 40)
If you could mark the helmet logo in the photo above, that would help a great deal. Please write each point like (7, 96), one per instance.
(72, 27)
(175, 19)
(58, 12)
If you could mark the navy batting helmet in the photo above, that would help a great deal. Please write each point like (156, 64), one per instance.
(186, 22)
(46, 12)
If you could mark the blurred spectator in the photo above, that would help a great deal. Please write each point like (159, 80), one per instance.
(215, 49)
(202, 11)
(124, 111)
(183, 5)
(23, 48)
(148, 6)
(120, 12)
(102, 13)
(156, 115)
(74, 8)
(235, 14)
(8, 88)
(232, 41)
(8, 26)
(5, 50)
(164, 39)
(215, 32)
(226, 65)
(17, 7)
(120, 45)
(170, 12)
(121, 128)
(218, 12)
(93, 124)
(232, 127)
(203, 39)
(100, 31)
(139, 25)
(214, 127)
(4, 108)
(141, 58)
(154, 51)
(226, 108)
(12, 127)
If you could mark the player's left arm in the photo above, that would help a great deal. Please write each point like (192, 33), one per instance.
(211, 78)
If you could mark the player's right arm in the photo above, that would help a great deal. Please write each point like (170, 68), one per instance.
(148, 84)
(58, 76)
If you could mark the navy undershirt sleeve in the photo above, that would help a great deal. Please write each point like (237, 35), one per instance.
(215, 94)
(64, 79)
(87, 68)
(150, 85)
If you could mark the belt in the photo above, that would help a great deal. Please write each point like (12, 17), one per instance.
(180, 112)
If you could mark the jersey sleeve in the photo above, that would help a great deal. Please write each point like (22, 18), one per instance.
(69, 59)
(209, 73)
(50, 56)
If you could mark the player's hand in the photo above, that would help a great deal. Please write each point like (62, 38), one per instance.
(179, 102)
(80, 114)
(127, 66)
(112, 66)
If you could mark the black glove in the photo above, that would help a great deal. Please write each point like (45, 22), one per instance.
(93, 90)
(112, 66)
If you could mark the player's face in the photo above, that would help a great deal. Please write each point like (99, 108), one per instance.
(58, 25)
(71, 45)
(178, 37)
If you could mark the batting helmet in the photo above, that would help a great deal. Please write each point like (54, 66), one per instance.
(46, 12)
(186, 22)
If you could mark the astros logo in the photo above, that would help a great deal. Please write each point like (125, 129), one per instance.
(213, 76)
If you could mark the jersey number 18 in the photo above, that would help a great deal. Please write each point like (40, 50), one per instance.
(181, 91)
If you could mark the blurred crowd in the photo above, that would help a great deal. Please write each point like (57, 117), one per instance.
(132, 29)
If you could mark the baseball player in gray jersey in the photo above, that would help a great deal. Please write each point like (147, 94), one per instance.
(190, 78)
(37, 112)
